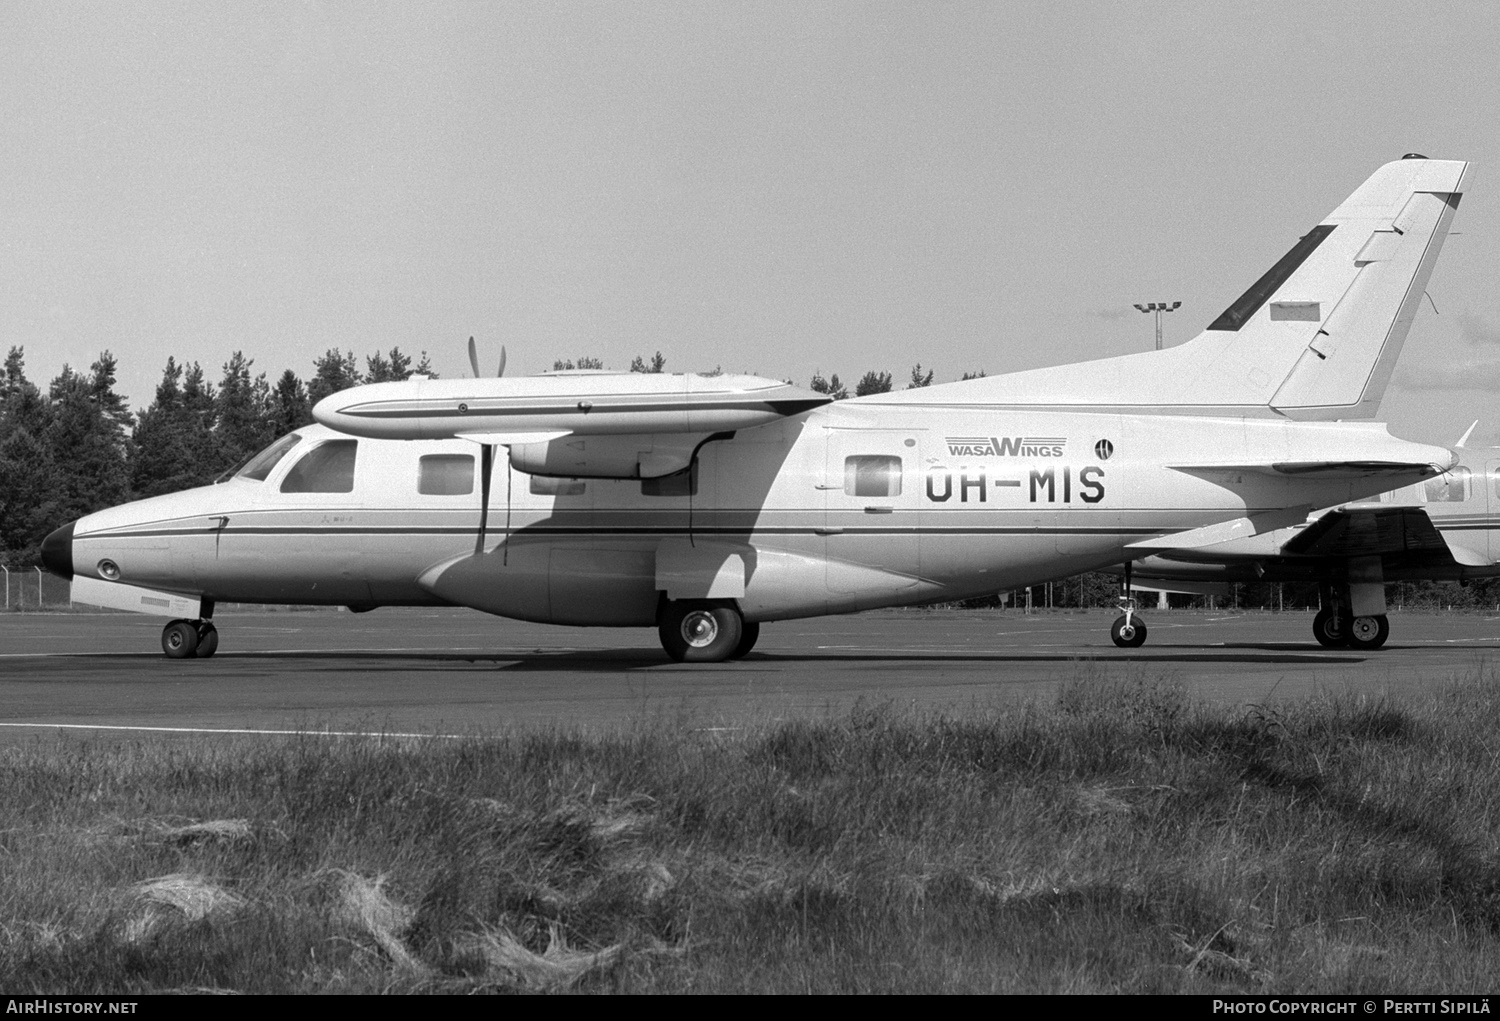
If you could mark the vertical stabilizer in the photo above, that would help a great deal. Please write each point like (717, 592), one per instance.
(1316, 337)
(1398, 227)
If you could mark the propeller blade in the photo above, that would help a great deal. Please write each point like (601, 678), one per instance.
(474, 357)
(486, 470)
(501, 371)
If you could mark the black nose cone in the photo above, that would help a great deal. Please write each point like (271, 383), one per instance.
(57, 552)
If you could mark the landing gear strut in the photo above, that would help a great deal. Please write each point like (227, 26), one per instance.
(1128, 630)
(188, 639)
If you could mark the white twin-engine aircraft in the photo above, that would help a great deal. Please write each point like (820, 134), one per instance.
(706, 506)
(1446, 529)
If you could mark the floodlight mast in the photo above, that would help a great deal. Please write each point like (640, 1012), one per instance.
(1159, 307)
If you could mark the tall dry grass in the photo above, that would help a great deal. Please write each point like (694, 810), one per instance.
(1122, 838)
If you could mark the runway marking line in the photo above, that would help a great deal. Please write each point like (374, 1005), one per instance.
(226, 730)
(250, 654)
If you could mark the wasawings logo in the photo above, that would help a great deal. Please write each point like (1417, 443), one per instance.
(1006, 446)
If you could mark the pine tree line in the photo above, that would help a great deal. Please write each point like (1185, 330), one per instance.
(77, 448)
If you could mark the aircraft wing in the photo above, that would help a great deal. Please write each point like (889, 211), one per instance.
(575, 425)
(581, 404)
(1367, 530)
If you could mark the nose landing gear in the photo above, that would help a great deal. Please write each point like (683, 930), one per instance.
(192, 639)
(1128, 630)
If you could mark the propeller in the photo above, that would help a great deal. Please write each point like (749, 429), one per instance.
(474, 359)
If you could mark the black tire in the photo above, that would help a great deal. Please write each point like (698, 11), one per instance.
(1331, 629)
(179, 639)
(208, 640)
(1128, 638)
(1369, 632)
(700, 631)
(749, 634)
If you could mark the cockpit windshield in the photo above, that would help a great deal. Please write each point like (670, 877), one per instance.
(326, 468)
(261, 464)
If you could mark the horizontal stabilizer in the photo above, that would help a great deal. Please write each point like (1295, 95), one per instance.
(1331, 470)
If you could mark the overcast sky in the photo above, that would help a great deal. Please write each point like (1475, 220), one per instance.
(774, 188)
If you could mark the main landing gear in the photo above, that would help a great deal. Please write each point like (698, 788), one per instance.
(705, 630)
(189, 639)
(1128, 631)
(1336, 626)
(1336, 630)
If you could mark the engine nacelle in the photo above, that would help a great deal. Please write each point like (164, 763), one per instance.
(631, 456)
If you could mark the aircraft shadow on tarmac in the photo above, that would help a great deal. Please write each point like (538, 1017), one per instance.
(613, 660)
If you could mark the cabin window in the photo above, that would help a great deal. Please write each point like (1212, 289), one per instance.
(683, 483)
(260, 466)
(327, 468)
(872, 475)
(445, 474)
(544, 485)
(1452, 487)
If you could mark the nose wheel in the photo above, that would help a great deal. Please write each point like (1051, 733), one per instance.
(190, 639)
(1128, 631)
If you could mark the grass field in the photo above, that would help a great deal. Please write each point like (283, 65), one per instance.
(1120, 839)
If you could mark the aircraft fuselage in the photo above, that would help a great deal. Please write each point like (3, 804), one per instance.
(830, 511)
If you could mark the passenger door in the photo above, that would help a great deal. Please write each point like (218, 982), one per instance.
(872, 508)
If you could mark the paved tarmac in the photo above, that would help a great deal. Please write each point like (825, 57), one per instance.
(456, 671)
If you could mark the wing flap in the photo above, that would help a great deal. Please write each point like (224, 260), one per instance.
(1368, 531)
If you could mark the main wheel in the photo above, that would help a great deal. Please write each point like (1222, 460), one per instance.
(699, 631)
(749, 633)
(179, 639)
(1131, 635)
(1369, 632)
(1329, 630)
(208, 640)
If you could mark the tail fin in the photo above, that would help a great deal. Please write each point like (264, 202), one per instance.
(1316, 337)
(1361, 297)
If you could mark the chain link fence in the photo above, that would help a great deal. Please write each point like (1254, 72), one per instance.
(27, 588)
